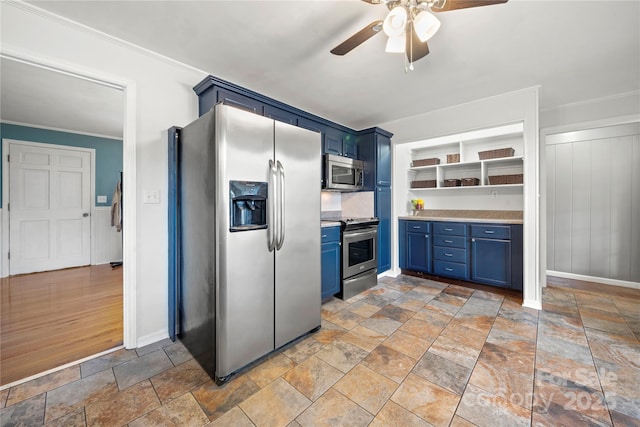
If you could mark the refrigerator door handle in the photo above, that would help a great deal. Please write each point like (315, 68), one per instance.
(280, 239)
(272, 205)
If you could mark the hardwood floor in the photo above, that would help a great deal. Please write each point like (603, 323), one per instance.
(53, 318)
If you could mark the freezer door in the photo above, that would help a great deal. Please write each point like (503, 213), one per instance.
(297, 290)
(245, 266)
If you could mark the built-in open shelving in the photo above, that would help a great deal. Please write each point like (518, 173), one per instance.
(470, 165)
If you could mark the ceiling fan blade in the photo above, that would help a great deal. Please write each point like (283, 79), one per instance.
(358, 38)
(372, 1)
(415, 48)
(462, 4)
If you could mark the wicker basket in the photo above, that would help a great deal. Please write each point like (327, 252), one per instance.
(425, 162)
(429, 183)
(496, 154)
(470, 182)
(506, 179)
(453, 158)
(452, 183)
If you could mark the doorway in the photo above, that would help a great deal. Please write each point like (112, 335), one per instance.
(50, 192)
(43, 103)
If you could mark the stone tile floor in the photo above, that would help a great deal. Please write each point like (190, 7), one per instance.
(409, 352)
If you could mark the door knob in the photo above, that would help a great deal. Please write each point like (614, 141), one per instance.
(85, 215)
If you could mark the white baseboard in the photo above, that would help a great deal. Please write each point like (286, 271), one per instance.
(388, 273)
(151, 338)
(535, 304)
(601, 280)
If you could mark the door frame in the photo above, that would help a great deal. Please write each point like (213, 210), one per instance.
(129, 215)
(6, 242)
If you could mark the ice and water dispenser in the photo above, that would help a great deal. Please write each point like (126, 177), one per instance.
(248, 205)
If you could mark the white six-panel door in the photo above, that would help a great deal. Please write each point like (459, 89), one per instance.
(49, 211)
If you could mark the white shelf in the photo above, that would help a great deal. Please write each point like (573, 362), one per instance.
(470, 166)
(470, 187)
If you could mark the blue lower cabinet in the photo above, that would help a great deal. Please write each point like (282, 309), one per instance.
(454, 270)
(491, 261)
(418, 252)
(331, 258)
(450, 250)
(414, 245)
(484, 253)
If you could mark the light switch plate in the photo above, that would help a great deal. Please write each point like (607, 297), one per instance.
(151, 196)
(102, 199)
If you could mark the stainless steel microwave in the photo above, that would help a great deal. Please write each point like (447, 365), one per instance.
(342, 173)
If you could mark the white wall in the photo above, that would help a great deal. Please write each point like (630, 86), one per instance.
(108, 241)
(593, 199)
(607, 111)
(162, 98)
(514, 107)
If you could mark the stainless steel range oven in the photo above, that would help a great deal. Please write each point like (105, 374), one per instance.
(359, 256)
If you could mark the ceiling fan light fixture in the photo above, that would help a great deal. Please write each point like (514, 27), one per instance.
(396, 44)
(395, 22)
(425, 25)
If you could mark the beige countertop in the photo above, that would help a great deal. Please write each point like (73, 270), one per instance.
(325, 223)
(498, 217)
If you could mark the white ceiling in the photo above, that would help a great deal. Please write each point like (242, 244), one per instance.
(43, 97)
(576, 50)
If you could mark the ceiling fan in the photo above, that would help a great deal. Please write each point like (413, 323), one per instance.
(408, 25)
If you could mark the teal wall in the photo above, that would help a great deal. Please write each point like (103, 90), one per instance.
(108, 153)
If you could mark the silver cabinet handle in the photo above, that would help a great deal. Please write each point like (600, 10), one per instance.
(448, 229)
(446, 254)
(426, 236)
(280, 240)
(415, 226)
(489, 231)
(448, 269)
(324, 236)
(473, 240)
(272, 206)
(448, 241)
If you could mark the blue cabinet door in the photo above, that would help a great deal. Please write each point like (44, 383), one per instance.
(491, 261)
(239, 101)
(332, 142)
(280, 115)
(418, 251)
(330, 269)
(349, 146)
(383, 161)
(383, 212)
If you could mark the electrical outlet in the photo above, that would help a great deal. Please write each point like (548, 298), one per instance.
(151, 196)
(102, 199)
(494, 194)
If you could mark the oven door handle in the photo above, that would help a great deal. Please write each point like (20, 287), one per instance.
(351, 235)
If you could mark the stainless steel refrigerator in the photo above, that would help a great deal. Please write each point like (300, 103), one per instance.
(249, 203)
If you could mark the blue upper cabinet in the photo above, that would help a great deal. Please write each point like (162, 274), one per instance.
(336, 139)
(280, 115)
(237, 100)
(383, 160)
(374, 149)
(340, 143)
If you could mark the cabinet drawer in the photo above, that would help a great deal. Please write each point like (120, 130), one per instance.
(450, 254)
(450, 269)
(502, 232)
(417, 226)
(450, 228)
(330, 234)
(450, 241)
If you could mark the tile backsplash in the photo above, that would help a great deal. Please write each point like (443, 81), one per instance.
(355, 205)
